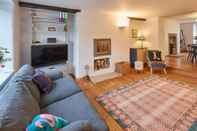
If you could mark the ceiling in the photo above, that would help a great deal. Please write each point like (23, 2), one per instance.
(135, 8)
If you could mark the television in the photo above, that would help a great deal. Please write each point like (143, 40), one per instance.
(42, 55)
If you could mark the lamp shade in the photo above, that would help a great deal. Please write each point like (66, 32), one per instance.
(141, 38)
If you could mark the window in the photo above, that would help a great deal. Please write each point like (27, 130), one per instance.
(195, 33)
(6, 39)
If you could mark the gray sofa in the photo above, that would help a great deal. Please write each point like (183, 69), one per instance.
(21, 100)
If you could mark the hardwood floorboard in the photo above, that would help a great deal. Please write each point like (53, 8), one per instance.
(181, 66)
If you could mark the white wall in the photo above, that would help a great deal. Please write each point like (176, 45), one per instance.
(188, 32)
(170, 26)
(152, 33)
(156, 30)
(97, 24)
(153, 30)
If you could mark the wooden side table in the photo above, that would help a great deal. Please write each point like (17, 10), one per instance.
(123, 68)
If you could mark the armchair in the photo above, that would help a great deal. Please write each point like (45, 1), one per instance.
(155, 61)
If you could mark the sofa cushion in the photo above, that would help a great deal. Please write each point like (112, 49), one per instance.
(17, 107)
(80, 125)
(26, 72)
(76, 107)
(35, 92)
(25, 75)
(54, 74)
(63, 88)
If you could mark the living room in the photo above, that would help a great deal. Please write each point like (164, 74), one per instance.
(98, 65)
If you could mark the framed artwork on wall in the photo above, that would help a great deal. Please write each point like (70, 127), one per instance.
(134, 33)
(102, 47)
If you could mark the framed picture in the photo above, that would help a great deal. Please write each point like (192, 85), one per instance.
(102, 47)
(51, 29)
(134, 33)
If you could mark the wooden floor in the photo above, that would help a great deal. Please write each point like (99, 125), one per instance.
(182, 66)
(93, 90)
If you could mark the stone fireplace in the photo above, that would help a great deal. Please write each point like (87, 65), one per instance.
(102, 54)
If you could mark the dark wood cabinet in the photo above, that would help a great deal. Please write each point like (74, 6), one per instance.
(172, 39)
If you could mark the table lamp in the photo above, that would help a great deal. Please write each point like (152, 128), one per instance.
(142, 39)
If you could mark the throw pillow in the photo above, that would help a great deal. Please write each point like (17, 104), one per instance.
(47, 122)
(156, 56)
(43, 82)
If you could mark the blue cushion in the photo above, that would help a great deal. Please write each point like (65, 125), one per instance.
(63, 88)
(54, 75)
(25, 75)
(81, 125)
(77, 107)
(26, 72)
(35, 92)
(158, 65)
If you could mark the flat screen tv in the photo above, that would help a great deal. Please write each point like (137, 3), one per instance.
(42, 55)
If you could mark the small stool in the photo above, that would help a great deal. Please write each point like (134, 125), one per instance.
(139, 66)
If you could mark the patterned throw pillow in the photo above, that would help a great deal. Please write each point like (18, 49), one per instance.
(47, 122)
(43, 82)
(154, 55)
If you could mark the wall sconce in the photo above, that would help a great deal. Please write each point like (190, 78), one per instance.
(123, 22)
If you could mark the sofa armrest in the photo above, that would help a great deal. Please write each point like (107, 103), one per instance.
(81, 125)
(54, 74)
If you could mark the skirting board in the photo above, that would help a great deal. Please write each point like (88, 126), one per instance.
(100, 78)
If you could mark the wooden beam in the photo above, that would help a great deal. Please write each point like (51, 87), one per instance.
(47, 7)
(136, 18)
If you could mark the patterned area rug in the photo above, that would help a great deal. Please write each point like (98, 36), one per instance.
(152, 104)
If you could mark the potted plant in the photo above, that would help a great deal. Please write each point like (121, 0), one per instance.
(3, 51)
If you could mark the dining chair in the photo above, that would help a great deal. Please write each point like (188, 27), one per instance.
(194, 53)
(190, 52)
